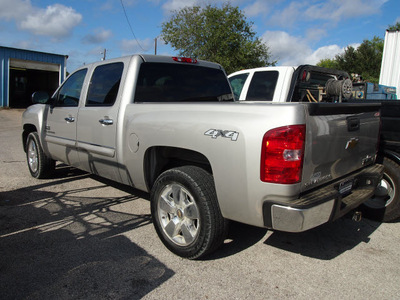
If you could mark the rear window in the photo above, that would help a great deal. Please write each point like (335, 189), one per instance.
(161, 82)
(262, 86)
(237, 83)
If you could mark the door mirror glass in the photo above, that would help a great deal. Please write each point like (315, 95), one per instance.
(40, 97)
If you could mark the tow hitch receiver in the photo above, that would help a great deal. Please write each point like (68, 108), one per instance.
(357, 216)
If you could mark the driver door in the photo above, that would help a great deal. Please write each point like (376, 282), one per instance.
(60, 119)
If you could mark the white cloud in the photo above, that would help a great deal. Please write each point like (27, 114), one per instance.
(56, 21)
(315, 34)
(289, 15)
(292, 51)
(329, 11)
(336, 10)
(14, 9)
(257, 8)
(99, 36)
(175, 5)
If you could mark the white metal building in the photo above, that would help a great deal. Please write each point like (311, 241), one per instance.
(390, 68)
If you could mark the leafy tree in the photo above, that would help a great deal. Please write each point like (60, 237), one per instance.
(222, 35)
(365, 60)
(328, 63)
(394, 27)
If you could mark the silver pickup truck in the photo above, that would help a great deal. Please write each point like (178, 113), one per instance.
(170, 126)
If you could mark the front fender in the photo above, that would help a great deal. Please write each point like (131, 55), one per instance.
(32, 120)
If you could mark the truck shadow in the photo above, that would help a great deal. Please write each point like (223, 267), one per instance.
(68, 245)
(326, 241)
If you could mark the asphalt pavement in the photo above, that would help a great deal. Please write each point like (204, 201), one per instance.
(77, 236)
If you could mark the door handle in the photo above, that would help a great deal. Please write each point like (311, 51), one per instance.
(106, 121)
(69, 119)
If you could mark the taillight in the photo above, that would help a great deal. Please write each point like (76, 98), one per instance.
(185, 60)
(283, 154)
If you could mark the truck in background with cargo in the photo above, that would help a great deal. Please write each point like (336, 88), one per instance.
(308, 83)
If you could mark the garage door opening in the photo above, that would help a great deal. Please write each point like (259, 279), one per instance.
(28, 77)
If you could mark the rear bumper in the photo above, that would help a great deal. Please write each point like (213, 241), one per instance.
(324, 204)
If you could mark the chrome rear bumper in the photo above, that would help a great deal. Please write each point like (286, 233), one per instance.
(322, 205)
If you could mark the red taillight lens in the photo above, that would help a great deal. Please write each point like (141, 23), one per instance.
(282, 154)
(185, 60)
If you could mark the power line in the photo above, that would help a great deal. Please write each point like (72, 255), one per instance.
(130, 26)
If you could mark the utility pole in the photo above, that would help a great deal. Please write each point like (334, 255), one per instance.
(104, 54)
(155, 46)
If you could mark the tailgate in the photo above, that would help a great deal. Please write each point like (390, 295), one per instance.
(341, 138)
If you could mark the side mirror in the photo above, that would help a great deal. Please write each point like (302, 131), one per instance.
(40, 98)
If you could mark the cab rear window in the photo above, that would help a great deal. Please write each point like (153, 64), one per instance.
(262, 86)
(162, 82)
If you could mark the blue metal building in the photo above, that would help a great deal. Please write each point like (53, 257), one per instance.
(23, 72)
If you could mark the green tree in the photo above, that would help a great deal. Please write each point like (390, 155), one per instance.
(328, 63)
(364, 60)
(394, 27)
(221, 35)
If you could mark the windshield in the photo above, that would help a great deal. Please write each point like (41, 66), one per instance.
(161, 82)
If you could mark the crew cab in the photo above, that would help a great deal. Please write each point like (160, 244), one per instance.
(170, 126)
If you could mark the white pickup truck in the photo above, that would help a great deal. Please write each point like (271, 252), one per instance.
(170, 126)
(315, 84)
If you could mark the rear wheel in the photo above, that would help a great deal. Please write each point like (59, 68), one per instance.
(40, 166)
(185, 212)
(385, 204)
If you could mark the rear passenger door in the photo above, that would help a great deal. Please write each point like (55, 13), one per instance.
(98, 117)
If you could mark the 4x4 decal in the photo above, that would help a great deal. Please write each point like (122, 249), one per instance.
(214, 133)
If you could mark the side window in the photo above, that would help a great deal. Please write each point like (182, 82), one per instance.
(70, 92)
(237, 83)
(262, 86)
(104, 85)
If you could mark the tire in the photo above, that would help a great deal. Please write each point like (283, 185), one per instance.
(186, 213)
(39, 164)
(385, 205)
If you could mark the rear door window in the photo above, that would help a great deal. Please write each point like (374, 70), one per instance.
(104, 85)
(262, 86)
(237, 83)
(163, 82)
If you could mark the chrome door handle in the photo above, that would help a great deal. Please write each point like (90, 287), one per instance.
(69, 119)
(106, 121)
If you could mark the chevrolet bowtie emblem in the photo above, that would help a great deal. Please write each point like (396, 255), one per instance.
(351, 143)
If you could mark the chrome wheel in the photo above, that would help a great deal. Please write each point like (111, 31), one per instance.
(178, 214)
(185, 212)
(384, 194)
(33, 158)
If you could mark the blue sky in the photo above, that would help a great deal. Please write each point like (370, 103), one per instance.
(297, 32)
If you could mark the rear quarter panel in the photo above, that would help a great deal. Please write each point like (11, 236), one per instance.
(235, 163)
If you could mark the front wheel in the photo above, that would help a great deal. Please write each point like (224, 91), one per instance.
(40, 166)
(186, 213)
(385, 204)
